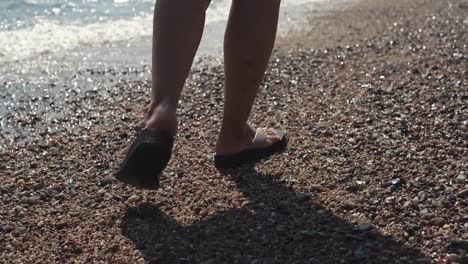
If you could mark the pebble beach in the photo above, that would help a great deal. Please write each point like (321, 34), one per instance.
(375, 104)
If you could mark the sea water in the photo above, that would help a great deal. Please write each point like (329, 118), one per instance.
(31, 28)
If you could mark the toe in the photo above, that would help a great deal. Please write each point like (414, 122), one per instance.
(273, 136)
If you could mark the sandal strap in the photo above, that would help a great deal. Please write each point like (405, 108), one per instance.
(260, 138)
(261, 135)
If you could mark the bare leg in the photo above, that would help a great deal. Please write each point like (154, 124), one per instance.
(248, 44)
(177, 30)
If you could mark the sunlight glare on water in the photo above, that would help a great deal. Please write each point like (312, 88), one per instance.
(33, 27)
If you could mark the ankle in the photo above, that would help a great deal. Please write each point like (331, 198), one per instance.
(236, 133)
(233, 140)
(162, 116)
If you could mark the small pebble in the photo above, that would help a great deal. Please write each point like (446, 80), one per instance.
(407, 204)
(463, 193)
(349, 204)
(3, 190)
(308, 234)
(452, 258)
(396, 182)
(105, 181)
(32, 200)
(203, 213)
(364, 227)
(317, 187)
(133, 198)
(438, 221)
(390, 200)
(360, 253)
(460, 244)
(461, 178)
(52, 142)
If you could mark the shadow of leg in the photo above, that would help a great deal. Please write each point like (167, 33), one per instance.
(156, 235)
(277, 225)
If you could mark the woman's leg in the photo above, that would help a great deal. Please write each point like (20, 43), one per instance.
(248, 44)
(177, 30)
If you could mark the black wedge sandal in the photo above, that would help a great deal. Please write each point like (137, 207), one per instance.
(146, 158)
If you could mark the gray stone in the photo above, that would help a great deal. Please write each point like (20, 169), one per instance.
(360, 253)
(460, 244)
(349, 204)
(407, 204)
(452, 258)
(105, 181)
(317, 187)
(133, 198)
(463, 193)
(438, 221)
(364, 227)
(32, 200)
(461, 177)
(390, 200)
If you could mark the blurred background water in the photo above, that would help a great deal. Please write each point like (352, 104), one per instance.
(25, 13)
(30, 28)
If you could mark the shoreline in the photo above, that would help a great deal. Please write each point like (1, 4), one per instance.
(376, 166)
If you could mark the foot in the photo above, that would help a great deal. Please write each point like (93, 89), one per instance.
(161, 117)
(229, 143)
